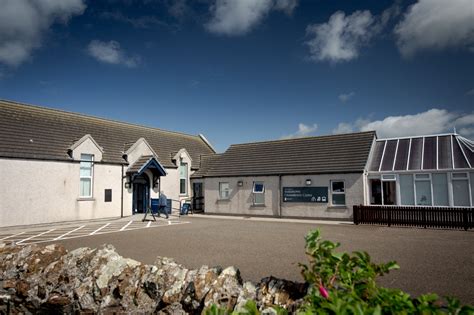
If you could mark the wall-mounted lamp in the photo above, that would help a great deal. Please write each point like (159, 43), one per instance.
(127, 182)
(240, 183)
(308, 182)
(155, 181)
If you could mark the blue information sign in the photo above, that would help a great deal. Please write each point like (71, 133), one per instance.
(305, 194)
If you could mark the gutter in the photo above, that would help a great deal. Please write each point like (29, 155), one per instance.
(121, 195)
(279, 195)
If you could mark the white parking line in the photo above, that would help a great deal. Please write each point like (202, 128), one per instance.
(12, 236)
(29, 238)
(125, 226)
(82, 231)
(67, 233)
(102, 227)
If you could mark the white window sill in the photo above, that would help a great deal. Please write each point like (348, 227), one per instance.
(85, 199)
(261, 205)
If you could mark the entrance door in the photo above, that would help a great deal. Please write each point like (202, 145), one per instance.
(141, 193)
(198, 197)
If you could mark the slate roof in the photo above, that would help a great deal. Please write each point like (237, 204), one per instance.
(35, 132)
(138, 164)
(310, 155)
(437, 152)
(206, 162)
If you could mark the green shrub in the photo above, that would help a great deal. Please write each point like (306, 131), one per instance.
(342, 283)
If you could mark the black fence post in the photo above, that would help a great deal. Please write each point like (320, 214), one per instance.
(465, 221)
(355, 214)
(424, 218)
(389, 212)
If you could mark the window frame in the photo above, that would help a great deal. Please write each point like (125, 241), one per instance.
(338, 192)
(185, 178)
(451, 176)
(90, 177)
(220, 191)
(258, 193)
(423, 177)
(467, 178)
(255, 183)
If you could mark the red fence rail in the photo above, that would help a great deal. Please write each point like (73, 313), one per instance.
(426, 217)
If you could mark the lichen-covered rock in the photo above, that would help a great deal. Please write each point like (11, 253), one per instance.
(225, 289)
(35, 279)
(171, 276)
(248, 293)
(173, 309)
(287, 294)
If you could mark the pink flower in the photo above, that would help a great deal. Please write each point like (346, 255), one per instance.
(324, 293)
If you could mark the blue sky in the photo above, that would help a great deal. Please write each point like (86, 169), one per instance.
(247, 70)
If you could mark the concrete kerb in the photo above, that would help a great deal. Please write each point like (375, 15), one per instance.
(271, 219)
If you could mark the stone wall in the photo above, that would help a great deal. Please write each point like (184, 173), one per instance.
(35, 279)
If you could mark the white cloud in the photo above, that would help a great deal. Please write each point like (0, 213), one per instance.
(345, 127)
(286, 5)
(231, 17)
(303, 130)
(344, 97)
(110, 52)
(432, 121)
(436, 25)
(341, 38)
(23, 24)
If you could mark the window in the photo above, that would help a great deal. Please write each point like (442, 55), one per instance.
(258, 193)
(389, 192)
(423, 189)
(258, 188)
(407, 196)
(86, 174)
(383, 191)
(461, 192)
(375, 188)
(389, 189)
(440, 189)
(224, 191)
(183, 178)
(338, 193)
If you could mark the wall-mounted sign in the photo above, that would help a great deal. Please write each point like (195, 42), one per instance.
(305, 194)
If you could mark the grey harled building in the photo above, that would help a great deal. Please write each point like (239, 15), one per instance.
(61, 166)
(318, 177)
(324, 177)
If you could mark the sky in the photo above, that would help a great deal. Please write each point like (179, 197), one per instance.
(246, 70)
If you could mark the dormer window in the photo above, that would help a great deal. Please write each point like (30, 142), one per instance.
(86, 175)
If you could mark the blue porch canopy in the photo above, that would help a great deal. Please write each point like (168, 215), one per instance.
(146, 162)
